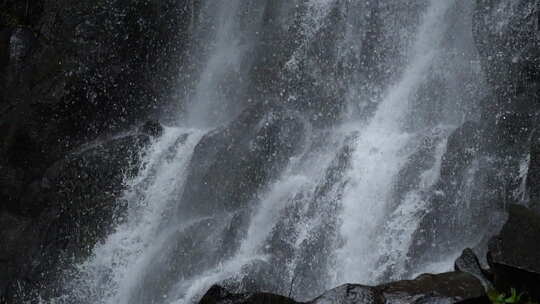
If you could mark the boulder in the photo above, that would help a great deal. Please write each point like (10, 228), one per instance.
(445, 288)
(451, 287)
(218, 295)
(410, 174)
(514, 254)
(351, 294)
(468, 262)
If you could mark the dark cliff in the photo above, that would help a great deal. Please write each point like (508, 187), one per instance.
(73, 76)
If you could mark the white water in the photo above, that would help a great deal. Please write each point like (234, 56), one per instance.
(353, 232)
(380, 154)
(396, 235)
(301, 178)
(115, 265)
(225, 56)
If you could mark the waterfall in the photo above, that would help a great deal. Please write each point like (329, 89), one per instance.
(108, 275)
(381, 152)
(374, 88)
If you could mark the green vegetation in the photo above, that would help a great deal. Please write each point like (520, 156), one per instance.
(501, 298)
(497, 297)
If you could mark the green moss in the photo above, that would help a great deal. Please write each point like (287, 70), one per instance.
(513, 297)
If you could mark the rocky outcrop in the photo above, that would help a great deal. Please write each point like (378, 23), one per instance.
(514, 254)
(219, 295)
(61, 215)
(453, 287)
(507, 37)
(468, 262)
(71, 75)
(446, 206)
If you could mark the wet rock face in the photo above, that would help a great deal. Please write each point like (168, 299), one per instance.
(507, 36)
(62, 214)
(152, 128)
(230, 165)
(462, 146)
(514, 254)
(70, 73)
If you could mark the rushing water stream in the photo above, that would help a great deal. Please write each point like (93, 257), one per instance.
(346, 206)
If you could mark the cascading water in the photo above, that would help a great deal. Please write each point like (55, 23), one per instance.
(375, 88)
(382, 152)
(108, 276)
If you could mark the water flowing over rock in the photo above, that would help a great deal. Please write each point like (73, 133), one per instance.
(153, 151)
(234, 163)
(71, 206)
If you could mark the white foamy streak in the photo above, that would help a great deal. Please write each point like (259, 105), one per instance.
(396, 237)
(379, 156)
(108, 276)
